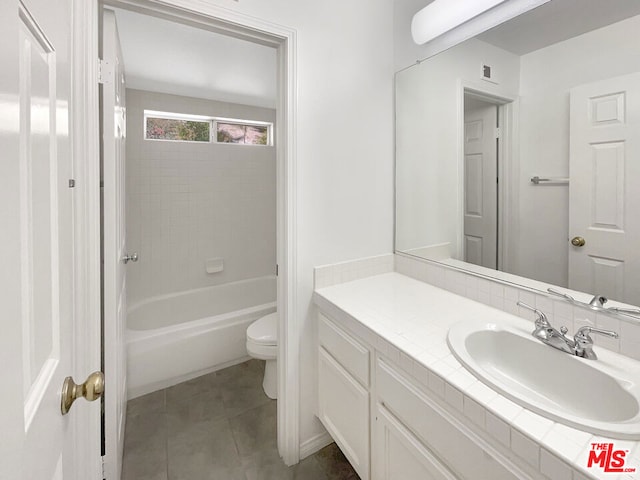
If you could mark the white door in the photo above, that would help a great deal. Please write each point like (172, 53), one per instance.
(603, 193)
(36, 241)
(480, 182)
(113, 200)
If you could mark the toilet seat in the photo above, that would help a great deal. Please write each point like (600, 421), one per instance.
(264, 331)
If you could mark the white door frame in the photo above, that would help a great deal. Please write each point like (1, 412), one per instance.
(86, 111)
(508, 171)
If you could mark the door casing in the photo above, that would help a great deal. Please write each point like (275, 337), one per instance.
(508, 165)
(86, 114)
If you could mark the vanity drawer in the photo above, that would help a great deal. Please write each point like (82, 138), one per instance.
(350, 354)
(461, 450)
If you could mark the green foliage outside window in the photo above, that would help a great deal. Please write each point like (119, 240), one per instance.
(176, 129)
(173, 129)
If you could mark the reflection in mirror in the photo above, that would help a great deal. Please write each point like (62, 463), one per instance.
(519, 150)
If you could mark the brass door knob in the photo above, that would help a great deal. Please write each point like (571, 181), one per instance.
(577, 241)
(91, 390)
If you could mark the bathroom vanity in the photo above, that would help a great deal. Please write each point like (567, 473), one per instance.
(401, 406)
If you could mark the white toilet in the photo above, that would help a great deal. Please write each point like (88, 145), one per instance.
(262, 343)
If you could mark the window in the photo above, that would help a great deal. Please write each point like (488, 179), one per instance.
(247, 133)
(196, 128)
(186, 128)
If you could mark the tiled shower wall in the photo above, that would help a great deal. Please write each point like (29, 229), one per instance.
(188, 202)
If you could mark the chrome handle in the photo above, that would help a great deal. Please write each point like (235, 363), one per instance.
(130, 258)
(92, 389)
(542, 318)
(578, 242)
(583, 332)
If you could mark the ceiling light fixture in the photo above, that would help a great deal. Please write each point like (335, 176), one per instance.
(445, 23)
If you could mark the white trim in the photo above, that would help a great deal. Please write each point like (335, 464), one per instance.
(86, 235)
(492, 94)
(315, 444)
(205, 14)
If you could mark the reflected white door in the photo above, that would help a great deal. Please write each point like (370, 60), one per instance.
(36, 243)
(604, 194)
(480, 182)
(114, 250)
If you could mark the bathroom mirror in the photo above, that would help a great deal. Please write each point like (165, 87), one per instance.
(518, 151)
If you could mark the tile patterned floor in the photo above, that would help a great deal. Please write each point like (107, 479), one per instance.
(219, 426)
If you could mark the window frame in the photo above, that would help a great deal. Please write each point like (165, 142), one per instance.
(213, 127)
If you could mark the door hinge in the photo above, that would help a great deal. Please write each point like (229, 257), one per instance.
(72, 183)
(102, 466)
(498, 132)
(105, 72)
(276, 269)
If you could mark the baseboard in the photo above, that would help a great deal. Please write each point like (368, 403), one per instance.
(314, 444)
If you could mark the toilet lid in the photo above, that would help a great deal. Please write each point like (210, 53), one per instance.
(264, 330)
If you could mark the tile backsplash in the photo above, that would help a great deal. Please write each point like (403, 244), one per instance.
(327, 275)
(505, 296)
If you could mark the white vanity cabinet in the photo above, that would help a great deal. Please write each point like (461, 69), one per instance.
(439, 439)
(343, 386)
(398, 454)
(412, 436)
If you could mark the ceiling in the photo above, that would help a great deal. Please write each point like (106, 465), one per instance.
(168, 57)
(556, 21)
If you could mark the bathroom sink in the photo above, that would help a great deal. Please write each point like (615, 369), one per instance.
(599, 396)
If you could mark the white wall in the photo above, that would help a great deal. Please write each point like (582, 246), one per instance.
(546, 77)
(406, 51)
(344, 150)
(427, 145)
(188, 201)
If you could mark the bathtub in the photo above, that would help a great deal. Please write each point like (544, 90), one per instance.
(173, 338)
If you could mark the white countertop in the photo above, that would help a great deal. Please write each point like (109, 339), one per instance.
(413, 318)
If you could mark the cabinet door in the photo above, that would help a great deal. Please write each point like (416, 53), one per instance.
(399, 455)
(344, 411)
(465, 453)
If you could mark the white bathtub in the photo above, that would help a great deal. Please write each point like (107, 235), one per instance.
(173, 338)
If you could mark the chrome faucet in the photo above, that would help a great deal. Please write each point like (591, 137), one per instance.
(581, 345)
(584, 343)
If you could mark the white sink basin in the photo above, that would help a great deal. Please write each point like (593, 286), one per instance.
(599, 396)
